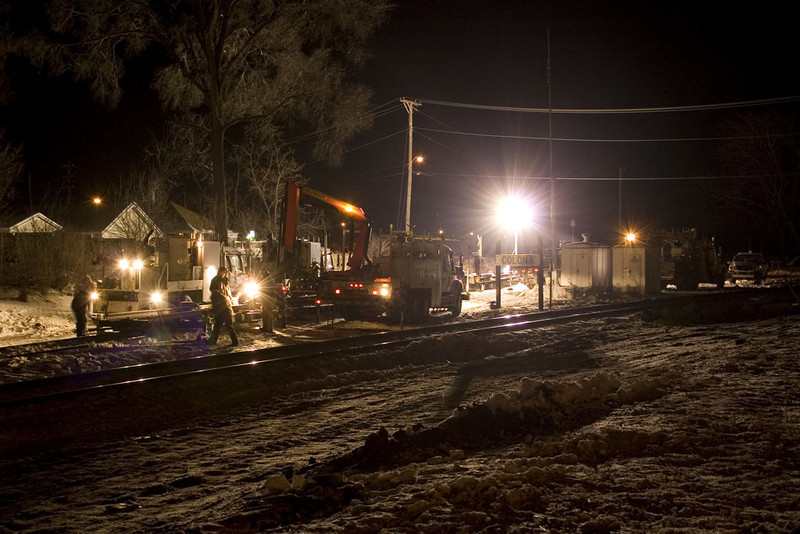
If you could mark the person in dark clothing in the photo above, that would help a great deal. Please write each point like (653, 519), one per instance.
(82, 296)
(222, 307)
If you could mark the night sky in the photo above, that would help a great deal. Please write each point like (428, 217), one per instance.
(603, 55)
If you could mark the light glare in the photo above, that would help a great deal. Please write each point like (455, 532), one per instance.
(514, 213)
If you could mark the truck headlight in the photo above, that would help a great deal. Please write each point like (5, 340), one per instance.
(251, 290)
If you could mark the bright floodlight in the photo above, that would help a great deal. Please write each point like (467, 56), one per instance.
(251, 290)
(514, 213)
(630, 238)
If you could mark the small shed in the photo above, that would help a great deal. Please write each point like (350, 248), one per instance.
(586, 265)
(637, 269)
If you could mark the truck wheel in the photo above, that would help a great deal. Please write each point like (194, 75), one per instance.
(456, 309)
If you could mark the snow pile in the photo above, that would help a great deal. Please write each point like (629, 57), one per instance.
(41, 317)
(410, 455)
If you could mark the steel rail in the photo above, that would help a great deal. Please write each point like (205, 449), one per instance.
(19, 393)
(46, 389)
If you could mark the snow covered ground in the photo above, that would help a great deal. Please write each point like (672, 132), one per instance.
(38, 319)
(685, 420)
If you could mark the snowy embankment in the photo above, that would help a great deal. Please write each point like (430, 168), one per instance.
(685, 420)
(686, 429)
(37, 319)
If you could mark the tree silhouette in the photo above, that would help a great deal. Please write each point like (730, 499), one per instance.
(762, 201)
(224, 64)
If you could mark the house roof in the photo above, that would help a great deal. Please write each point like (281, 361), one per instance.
(131, 223)
(35, 224)
(197, 222)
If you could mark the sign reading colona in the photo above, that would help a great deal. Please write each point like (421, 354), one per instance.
(519, 260)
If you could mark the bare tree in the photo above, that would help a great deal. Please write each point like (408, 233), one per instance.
(228, 62)
(266, 168)
(172, 164)
(11, 167)
(762, 201)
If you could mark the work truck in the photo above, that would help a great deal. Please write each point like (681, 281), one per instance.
(411, 277)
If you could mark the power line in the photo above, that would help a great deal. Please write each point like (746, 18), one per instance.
(611, 111)
(587, 140)
(377, 112)
(603, 178)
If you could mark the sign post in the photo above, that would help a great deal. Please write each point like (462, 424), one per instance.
(498, 274)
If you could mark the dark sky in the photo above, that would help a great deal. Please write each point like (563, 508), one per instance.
(606, 55)
(603, 55)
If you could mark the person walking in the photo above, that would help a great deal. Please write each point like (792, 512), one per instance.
(222, 307)
(81, 297)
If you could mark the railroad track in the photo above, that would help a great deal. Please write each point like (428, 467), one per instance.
(70, 386)
(55, 413)
(31, 392)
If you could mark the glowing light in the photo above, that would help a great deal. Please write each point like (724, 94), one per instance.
(94, 295)
(384, 291)
(514, 213)
(97, 201)
(348, 208)
(251, 290)
(419, 159)
(630, 238)
(156, 297)
(137, 264)
(124, 264)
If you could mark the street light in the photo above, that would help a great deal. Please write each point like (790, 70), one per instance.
(418, 159)
(514, 213)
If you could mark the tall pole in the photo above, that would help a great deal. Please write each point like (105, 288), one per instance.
(553, 254)
(410, 106)
(619, 203)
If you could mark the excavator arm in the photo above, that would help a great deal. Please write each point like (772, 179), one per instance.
(292, 209)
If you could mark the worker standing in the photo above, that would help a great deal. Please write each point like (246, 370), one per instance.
(81, 297)
(222, 307)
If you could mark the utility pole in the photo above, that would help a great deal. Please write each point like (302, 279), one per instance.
(410, 106)
(554, 252)
(619, 203)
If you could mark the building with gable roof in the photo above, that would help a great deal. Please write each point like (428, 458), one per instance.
(34, 224)
(132, 223)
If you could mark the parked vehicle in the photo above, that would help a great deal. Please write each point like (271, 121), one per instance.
(411, 277)
(748, 266)
(687, 260)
